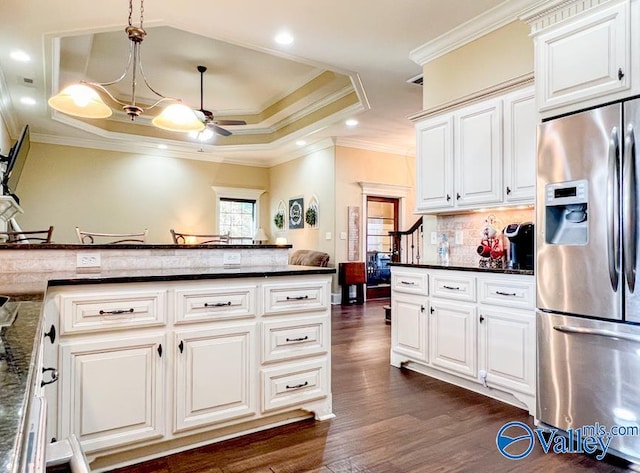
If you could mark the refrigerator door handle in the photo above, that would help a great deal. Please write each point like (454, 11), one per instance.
(598, 332)
(630, 196)
(613, 208)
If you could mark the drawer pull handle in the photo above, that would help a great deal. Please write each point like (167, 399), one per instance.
(217, 304)
(54, 376)
(298, 386)
(299, 298)
(300, 339)
(116, 311)
(451, 288)
(408, 283)
(51, 333)
(510, 294)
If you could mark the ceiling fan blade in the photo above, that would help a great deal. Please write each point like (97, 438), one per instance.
(200, 115)
(219, 130)
(230, 122)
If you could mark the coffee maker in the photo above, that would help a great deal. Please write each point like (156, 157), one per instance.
(521, 245)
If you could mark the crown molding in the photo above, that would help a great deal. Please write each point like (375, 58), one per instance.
(471, 30)
(551, 12)
(348, 142)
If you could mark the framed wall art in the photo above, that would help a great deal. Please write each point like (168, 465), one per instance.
(296, 213)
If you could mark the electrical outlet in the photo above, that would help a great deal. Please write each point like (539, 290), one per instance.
(459, 237)
(88, 260)
(343, 235)
(231, 259)
(327, 236)
(434, 238)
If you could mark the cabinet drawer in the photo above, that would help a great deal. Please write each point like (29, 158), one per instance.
(121, 309)
(517, 294)
(411, 282)
(461, 288)
(294, 384)
(292, 338)
(296, 297)
(215, 303)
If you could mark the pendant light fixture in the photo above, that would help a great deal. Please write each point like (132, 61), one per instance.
(83, 100)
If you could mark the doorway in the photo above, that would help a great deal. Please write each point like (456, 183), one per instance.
(381, 218)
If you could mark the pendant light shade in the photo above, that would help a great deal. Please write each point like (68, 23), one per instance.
(178, 117)
(80, 100)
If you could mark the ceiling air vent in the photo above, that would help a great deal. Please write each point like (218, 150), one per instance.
(416, 80)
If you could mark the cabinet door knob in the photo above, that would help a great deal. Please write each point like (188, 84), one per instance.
(431, 310)
(160, 350)
(181, 346)
(448, 197)
(620, 74)
(508, 190)
(421, 308)
(54, 376)
(481, 318)
(457, 196)
(51, 333)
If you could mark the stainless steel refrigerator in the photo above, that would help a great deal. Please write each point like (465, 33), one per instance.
(588, 297)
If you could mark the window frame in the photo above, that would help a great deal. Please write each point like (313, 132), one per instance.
(238, 193)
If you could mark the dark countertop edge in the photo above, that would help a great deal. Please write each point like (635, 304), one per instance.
(135, 246)
(523, 272)
(245, 273)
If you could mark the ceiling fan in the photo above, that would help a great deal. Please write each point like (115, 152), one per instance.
(206, 116)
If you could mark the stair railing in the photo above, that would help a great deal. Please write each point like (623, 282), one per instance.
(406, 244)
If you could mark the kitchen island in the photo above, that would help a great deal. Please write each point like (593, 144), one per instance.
(151, 361)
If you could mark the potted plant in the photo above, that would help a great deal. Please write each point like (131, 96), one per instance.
(311, 216)
(278, 220)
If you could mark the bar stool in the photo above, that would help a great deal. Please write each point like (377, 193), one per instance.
(352, 274)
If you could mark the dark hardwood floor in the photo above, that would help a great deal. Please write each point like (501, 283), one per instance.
(387, 421)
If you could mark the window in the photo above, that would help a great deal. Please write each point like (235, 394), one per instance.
(237, 217)
(238, 212)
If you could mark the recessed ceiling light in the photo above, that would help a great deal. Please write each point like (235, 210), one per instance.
(351, 122)
(27, 100)
(20, 56)
(284, 38)
(162, 146)
(301, 142)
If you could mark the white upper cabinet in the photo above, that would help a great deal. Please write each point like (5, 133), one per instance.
(520, 141)
(584, 54)
(435, 163)
(478, 154)
(481, 155)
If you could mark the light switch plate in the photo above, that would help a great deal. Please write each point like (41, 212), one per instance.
(327, 236)
(434, 238)
(459, 237)
(343, 235)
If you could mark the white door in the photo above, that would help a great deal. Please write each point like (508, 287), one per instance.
(434, 173)
(112, 390)
(215, 375)
(453, 336)
(508, 348)
(520, 146)
(478, 151)
(409, 326)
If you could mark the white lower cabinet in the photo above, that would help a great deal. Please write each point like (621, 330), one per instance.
(506, 344)
(473, 329)
(112, 390)
(146, 368)
(409, 326)
(453, 336)
(213, 367)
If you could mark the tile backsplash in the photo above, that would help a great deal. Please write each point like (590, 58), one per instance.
(471, 225)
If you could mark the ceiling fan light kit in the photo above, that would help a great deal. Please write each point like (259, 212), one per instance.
(82, 100)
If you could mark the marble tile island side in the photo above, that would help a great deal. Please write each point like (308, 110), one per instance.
(158, 360)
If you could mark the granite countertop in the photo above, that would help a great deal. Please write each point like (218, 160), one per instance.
(466, 267)
(20, 326)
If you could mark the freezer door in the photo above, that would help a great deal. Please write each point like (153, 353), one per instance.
(631, 211)
(578, 262)
(587, 373)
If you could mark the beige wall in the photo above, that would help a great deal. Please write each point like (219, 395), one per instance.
(499, 56)
(313, 174)
(357, 165)
(107, 191)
